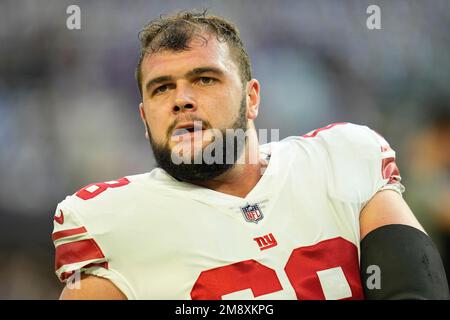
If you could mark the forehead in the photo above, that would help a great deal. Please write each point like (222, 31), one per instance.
(200, 53)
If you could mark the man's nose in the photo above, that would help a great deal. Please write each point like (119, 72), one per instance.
(184, 100)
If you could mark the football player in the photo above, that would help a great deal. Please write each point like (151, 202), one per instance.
(318, 216)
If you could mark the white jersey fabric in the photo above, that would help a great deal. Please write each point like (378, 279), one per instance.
(294, 236)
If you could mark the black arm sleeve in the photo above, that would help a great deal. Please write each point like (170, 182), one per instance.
(406, 262)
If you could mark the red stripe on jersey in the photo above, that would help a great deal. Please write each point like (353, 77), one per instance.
(68, 233)
(77, 251)
(66, 275)
(385, 148)
(315, 132)
(389, 170)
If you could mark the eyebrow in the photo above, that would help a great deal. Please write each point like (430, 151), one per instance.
(201, 70)
(192, 73)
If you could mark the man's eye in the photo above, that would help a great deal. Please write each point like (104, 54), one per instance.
(161, 89)
(206, 80)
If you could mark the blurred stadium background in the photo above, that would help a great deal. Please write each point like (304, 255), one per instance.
(69, 116)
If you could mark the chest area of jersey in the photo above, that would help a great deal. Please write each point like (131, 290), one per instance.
(291, 248)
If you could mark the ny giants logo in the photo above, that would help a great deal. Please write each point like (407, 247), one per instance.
(265, 242)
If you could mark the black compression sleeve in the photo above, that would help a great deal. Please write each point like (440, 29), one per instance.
(407, 263)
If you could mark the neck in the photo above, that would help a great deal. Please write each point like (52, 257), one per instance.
(242, 177)
(232, 182)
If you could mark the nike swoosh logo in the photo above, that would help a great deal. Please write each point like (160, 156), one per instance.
(60, 218)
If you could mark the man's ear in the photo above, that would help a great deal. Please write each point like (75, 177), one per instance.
(142, 113)
(253, 99)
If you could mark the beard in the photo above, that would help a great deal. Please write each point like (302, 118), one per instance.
(199, 172)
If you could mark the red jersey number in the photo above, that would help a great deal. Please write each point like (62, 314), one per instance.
(301, 270)
(94, 189)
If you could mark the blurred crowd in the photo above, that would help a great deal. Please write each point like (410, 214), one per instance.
(69, 101)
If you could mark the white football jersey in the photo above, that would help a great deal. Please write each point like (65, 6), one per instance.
(294, 236)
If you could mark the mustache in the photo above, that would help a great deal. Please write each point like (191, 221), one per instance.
(192, 118)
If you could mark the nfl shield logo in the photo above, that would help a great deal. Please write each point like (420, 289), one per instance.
(252, 213)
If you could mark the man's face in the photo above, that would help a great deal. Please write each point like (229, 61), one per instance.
(198, 84)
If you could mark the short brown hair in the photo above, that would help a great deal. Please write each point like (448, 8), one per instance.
(174, 33)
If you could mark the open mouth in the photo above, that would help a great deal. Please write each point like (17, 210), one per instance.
(188, 128)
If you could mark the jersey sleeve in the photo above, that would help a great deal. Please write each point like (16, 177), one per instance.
(78, 250)
(360, 163)
(75, 248)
